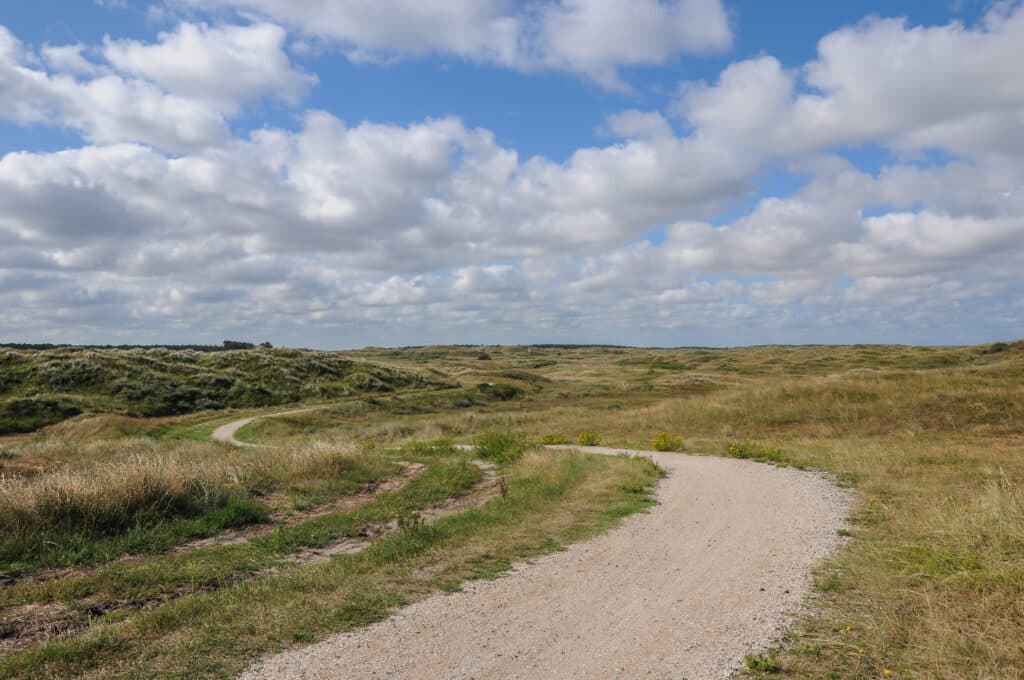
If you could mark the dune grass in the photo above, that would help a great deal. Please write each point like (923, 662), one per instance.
(551, 499)
(39, 387)
(931, 584)
(102, 499)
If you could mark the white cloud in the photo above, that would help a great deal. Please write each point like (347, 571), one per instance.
(226, 65)
(68, 59)
(176, 95)
(335, 233)
(593, 38)
(597, 37)
(882, 81)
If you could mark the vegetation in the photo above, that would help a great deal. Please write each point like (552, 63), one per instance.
(500, 447)
(930, 584)
(667, 442)
(102, 499)
(39, 387)
(225, 605)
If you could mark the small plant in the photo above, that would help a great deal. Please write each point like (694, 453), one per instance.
(763, 663)
(410, 520)
(589, 439)
(667, 442)
(442, 446)
(500, 447)
(503, 486)
(753, 451)
(553, 439)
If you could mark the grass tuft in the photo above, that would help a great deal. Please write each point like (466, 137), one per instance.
(500, 447)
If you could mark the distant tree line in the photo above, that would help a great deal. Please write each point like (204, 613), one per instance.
(226, 346)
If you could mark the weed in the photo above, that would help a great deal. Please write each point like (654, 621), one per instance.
(763, 663)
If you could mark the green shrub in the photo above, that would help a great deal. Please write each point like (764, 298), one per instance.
(500, 447)
(553, 439)
(753, 451)
(589, 439)
(667, 442)
(499, 391)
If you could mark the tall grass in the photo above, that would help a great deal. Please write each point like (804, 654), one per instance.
(132, 495)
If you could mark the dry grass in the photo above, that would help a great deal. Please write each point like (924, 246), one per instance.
(932, 438)
(99, 498)
(932, 584)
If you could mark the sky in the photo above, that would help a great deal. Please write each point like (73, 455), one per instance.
(344, 173)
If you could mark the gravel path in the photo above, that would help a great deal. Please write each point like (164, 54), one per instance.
(685, 591)
(226, 433)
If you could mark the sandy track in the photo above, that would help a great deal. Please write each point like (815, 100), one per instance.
(226, 433)
(685, 591)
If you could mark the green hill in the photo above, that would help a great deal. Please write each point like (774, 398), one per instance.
(40, 387)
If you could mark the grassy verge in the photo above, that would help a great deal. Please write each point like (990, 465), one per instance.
(552, 499)
(137, 496)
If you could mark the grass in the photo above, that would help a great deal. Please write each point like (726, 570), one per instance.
(551, 499)
(932, 440)
(500, 447)
(40, 387)
(929, 585)
(131, 496)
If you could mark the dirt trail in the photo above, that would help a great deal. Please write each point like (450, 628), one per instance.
(685, 591)
(226, 433)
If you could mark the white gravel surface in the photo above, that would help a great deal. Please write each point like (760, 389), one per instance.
(226, 433)
(714, 572)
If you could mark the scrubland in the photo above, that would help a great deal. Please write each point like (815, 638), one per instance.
(132, 547)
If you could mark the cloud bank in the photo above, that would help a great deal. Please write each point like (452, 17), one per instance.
(165, 224)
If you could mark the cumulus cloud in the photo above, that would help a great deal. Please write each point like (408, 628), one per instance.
(881, 81)
(593, 38)
(226, 66)
(333, 233)
(176, 95)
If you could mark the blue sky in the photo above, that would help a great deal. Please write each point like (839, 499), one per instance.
(667, 172)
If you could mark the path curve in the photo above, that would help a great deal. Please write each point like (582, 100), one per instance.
(226, 433)
(714, 572)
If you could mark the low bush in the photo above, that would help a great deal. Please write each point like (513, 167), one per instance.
(753, 451)
(500, 447)
(667, 442)
(589, 439)
(553, 439)
(499, 391)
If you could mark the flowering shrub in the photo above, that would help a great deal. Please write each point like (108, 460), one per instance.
(667, 442)
(589, 439)
(755, 451)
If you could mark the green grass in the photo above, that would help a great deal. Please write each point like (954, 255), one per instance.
(139, 497)
(552, 499)
(930, 584)
(500, 447)
(28, 550)
(40, 387)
